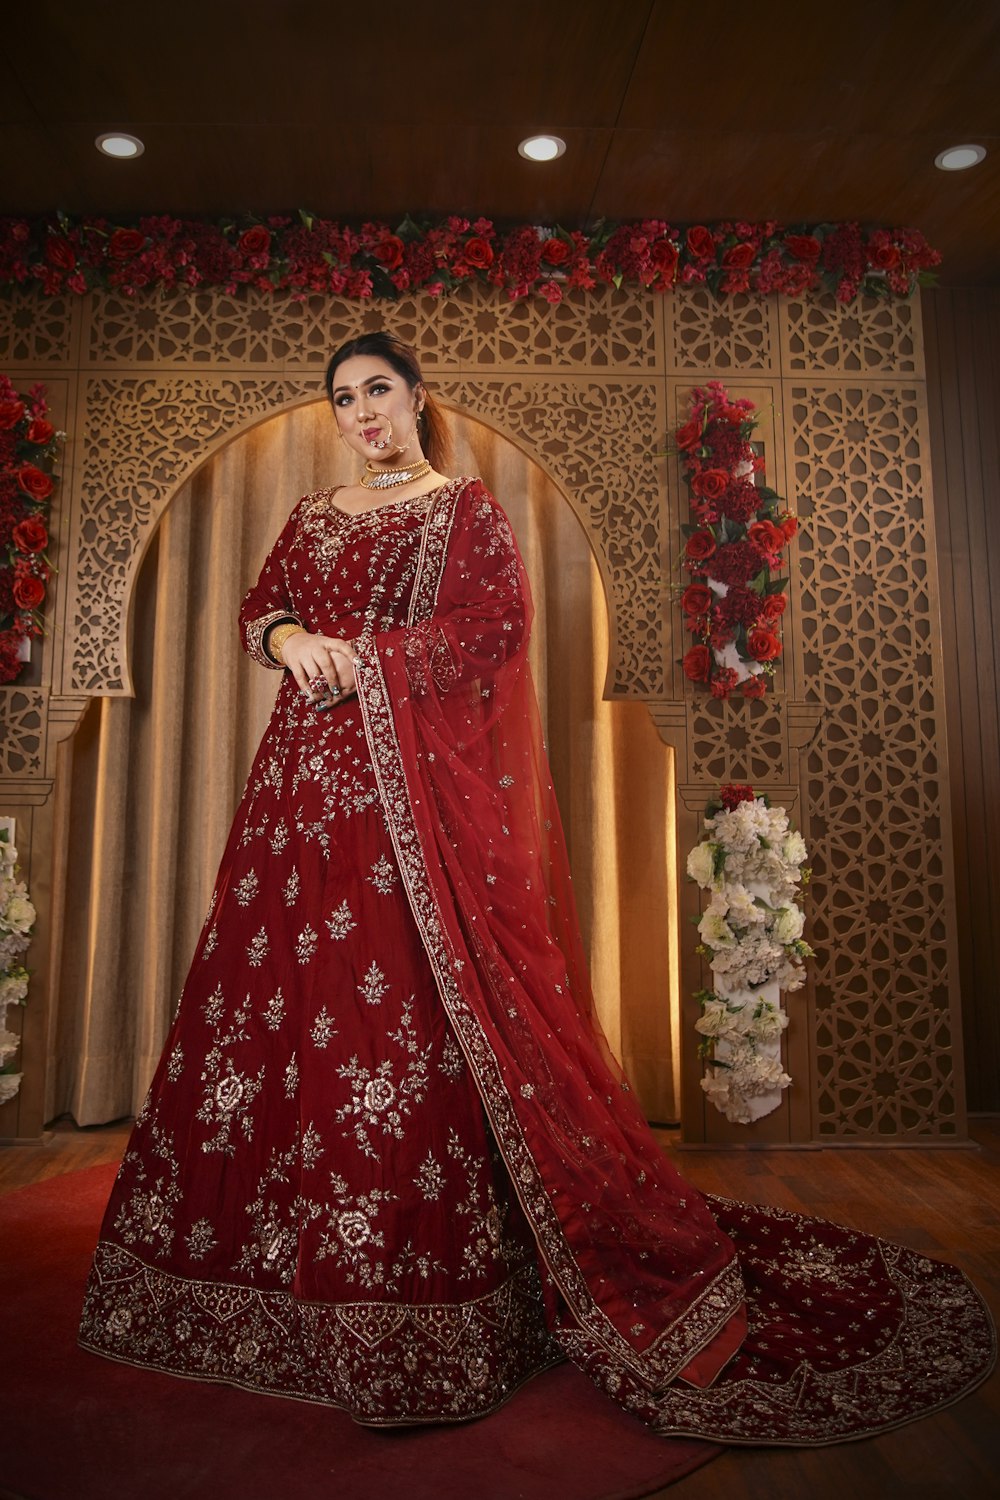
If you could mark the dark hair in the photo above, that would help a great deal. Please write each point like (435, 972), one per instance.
(430, 424)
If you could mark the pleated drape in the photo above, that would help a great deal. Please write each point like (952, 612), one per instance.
(148, 786)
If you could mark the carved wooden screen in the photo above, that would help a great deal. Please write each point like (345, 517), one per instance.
(852, 738)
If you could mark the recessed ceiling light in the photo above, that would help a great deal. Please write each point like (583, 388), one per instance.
(117, 143)
(542, 147)
(957, 158)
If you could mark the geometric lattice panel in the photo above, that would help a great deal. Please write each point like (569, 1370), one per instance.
(472, 326)
(142, 436)
(35, 330)
(600, 438)
(736, 336)
(872, 776)
(739, 740)
(870, 336)
(22, 731)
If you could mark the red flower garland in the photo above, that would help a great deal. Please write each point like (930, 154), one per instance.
(733, 604)
(308, 254)
(27, 440)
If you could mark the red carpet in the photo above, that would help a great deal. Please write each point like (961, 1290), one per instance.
(76, 1427)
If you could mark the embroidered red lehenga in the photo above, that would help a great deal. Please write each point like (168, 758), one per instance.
(387, 1161)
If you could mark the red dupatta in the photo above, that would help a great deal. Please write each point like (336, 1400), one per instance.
(640, 1279)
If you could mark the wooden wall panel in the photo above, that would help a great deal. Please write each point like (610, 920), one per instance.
(962, 346)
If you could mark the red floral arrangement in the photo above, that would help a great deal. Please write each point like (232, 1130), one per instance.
(307, 254)
(733, 603)
(28, 445)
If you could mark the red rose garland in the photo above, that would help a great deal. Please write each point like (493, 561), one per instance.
(307, 254)
(27, 440)
(733, 604)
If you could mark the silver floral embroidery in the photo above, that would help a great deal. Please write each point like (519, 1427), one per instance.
(257, 949)
(175, 1065)
(211, 943)
(341, 922)
(291, 1077)
(201, 1239)
(305, 944)
(374, 986)
(380, 1103)
(247, 888)
(383, 877)
(274, 1011)
(430, 1178)
(292, 886)
(323, 1028)
(279, 838)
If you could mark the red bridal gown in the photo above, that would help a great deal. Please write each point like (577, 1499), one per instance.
(387, 1161)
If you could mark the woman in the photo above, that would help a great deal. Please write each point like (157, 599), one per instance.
(387, 1161)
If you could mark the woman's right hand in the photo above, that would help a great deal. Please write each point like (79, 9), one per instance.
(309, 657)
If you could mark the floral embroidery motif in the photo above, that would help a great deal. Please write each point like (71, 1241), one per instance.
(383, 877)
(340, 922)
(258, 948)
(201, 1239)
(247, 888)
(291, 888)
(323, 1028)
(274, 1011)
(374, 986)
(380, 1100)
(305, 944)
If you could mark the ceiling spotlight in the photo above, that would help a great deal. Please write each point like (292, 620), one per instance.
(117, 144)
(957, 158)
(542, 147)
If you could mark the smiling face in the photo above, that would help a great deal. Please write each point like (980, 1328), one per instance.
(376, 410)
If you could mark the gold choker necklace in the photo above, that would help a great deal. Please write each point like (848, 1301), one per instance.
(388, 476)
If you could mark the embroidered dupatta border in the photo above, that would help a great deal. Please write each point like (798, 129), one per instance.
(596, 1337)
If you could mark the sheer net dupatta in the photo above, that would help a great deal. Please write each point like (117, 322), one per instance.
(640, 1278)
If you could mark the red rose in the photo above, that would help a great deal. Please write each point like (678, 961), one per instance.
(34, 482)
(789, 525)
(689, 436)
(735, 792)
(696, 599)
(125, 243)
(700, 544)
(697, 664)
(29, 591)
(710, 484)
(803, 247)
(774, 606)
(738, 257)
(884, 257)
(664, 256)
(755, 687)
(701, 242)
(59, 252)
(478, 252)
(763, 644)
(31, 535)
(11, 413)
(256, 240)
(389, 251)
(766, 536)
(555, 252)
(40, 432)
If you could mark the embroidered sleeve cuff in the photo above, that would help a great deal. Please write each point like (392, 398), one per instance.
(257, 632)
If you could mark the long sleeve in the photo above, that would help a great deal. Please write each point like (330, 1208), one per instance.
(268, 603)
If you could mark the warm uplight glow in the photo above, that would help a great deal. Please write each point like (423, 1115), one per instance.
(957, 158)
(542, 147)
(117, 144)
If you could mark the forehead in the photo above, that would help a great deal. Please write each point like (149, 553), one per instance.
(362, 368)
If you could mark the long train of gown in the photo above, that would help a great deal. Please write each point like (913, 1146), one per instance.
(313, 1202)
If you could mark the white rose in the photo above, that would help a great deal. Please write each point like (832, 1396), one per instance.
(787, 925)
(715, 931)
(743, 909)
(715, 1084)
(769, 1023)
(13, 989)
(701, 864)
(715, 1018)
(793, 850)
(19, 914)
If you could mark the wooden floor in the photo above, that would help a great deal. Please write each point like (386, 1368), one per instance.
(943, 1202)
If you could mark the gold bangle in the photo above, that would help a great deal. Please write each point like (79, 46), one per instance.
(277, 638)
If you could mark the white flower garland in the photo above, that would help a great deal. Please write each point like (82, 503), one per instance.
(751, 932)
(17, 917)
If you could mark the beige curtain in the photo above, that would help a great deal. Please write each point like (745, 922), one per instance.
(148, 786)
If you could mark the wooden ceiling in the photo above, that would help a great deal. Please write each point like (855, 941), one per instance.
(689, 112)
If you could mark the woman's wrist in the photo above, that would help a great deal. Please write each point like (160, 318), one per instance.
(277, 636)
